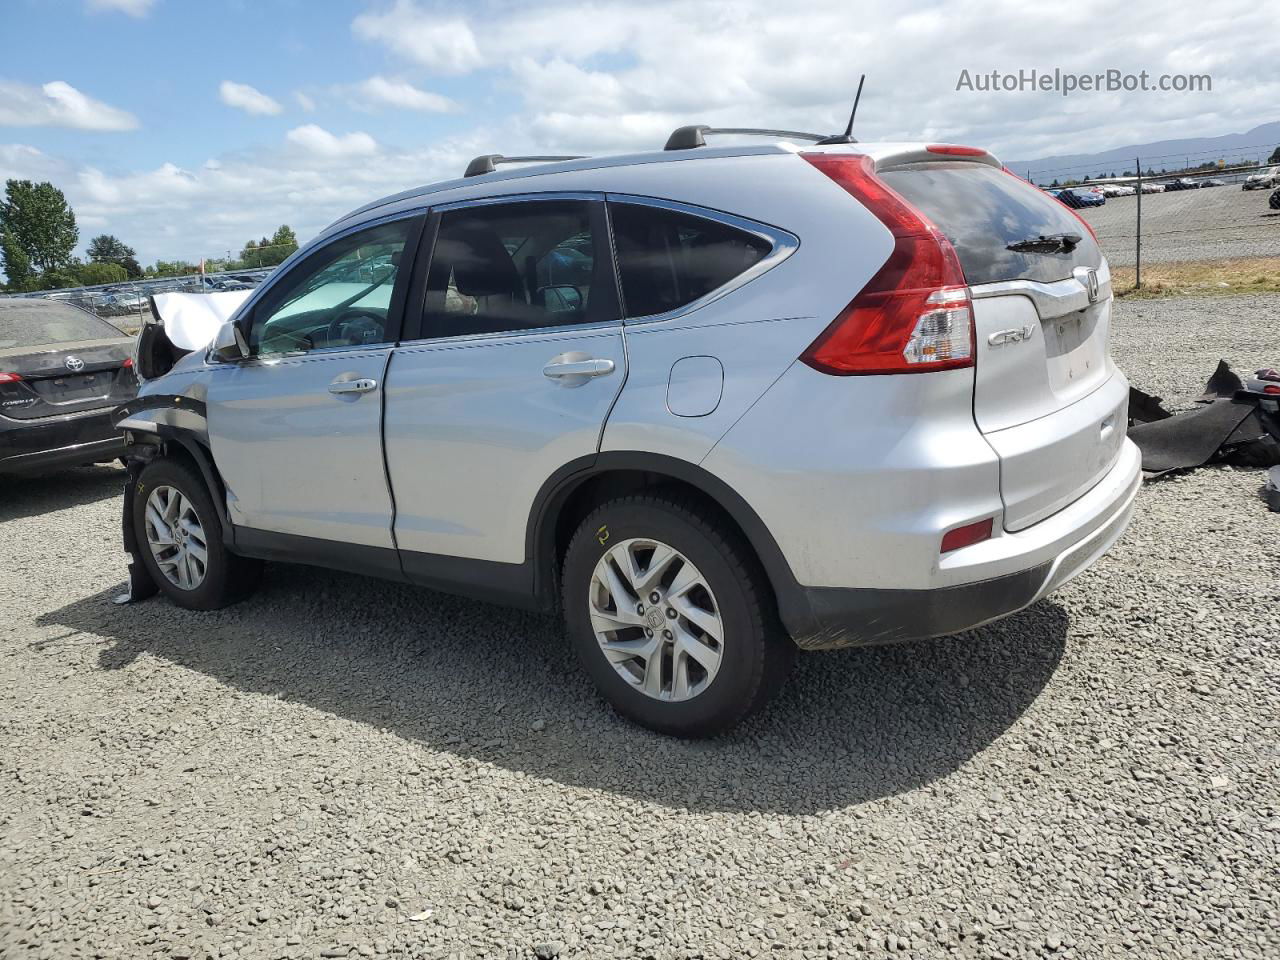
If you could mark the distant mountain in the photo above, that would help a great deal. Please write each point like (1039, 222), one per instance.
(1169, 154)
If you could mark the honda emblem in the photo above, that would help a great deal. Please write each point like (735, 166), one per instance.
(1091, 284)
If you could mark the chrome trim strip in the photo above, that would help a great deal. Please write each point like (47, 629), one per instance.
(1055, 299)
(517, 198)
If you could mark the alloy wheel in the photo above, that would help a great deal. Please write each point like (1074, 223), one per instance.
(176, 538)
(656, 619)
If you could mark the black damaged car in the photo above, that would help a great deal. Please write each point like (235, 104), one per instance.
(62, 372)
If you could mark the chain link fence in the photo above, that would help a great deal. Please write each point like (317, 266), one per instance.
(1211, 230)
(127, 305)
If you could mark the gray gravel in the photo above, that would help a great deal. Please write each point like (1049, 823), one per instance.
(1211, 224)
(341, 767)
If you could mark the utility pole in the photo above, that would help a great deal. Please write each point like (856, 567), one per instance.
(1137, 258)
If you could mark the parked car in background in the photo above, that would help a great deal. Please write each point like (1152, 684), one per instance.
(1153, 188)
(1262, 180)
(1274, 200)
(1078, 197)
(1211, 182)
(1115, 190)
(62, 372)
(1181, 183)
(711, 404)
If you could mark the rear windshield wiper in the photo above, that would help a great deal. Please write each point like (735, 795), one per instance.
(1053, 243)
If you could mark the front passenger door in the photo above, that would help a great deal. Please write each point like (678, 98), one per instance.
(296, 428)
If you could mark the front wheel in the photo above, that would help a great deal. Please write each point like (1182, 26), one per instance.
(179, 535)
(671, 616)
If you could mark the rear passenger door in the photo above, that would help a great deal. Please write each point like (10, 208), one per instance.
(510, 362)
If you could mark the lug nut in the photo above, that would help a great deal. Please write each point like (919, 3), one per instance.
(653, 597)
(666, 634)
(648, 632)
(671, 614)
(639, 608)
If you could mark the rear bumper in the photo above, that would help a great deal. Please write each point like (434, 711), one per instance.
(1024, 567)
(33, 446)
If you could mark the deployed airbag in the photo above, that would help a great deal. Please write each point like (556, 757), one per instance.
(192, 319)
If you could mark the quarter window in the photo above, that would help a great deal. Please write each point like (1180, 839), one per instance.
(668, 259)
(516, 266)
(339, 297)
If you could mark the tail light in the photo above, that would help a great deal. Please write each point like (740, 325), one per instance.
(915, 314)
(955, 150)
(128, 363)
(10, 377)
(1075, 213)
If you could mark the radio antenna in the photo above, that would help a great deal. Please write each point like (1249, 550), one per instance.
(847, 136)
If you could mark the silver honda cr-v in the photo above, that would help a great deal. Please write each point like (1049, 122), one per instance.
(713, 403)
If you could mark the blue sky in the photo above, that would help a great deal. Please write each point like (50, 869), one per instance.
(188, 128)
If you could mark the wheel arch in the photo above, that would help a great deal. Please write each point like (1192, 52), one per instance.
(569, 495)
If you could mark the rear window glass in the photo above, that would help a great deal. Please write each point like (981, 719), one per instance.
(34, 323)
(982, 210)
(667, 259)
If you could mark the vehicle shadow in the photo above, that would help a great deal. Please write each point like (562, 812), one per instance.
(24, 495)
(473, 679)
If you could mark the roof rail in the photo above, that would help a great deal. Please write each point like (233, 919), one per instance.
(487, 163)
(687, 138)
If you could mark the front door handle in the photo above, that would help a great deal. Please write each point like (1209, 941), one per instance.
(582, 369)
(363, 385)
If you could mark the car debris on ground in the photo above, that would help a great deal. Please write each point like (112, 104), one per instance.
(1237, 423)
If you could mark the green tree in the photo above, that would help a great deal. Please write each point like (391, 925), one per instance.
(93, 273)
(57, 278)
(35, 219)
(17, 265)
(1275, 156)
(106, 248)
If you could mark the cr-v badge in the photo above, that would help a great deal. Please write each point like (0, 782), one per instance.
(1013, 335)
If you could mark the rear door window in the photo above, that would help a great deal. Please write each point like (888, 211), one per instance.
(982, 210)
(523, 265)
(668, 259)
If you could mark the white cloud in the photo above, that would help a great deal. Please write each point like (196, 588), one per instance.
(604, 74)
(318, 141)
(304, 101)
(444, 43)
(58, 104)
(246, 98)
(134, 8)
(399, 93)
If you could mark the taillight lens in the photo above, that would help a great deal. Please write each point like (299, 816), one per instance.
(10, 377)
(128, 362)
(915, 314)
(955, 150)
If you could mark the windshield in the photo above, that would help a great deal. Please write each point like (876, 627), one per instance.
(983, 210)
(35, 323)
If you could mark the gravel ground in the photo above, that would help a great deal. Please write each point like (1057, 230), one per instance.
(342, 767)
(1211, 224)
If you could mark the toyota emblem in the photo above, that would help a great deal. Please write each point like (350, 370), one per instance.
(74, 364)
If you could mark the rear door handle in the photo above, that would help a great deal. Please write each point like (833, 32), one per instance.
(363, 385)
(582, 369)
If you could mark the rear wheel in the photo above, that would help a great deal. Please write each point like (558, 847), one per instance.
(671, 616)
(179, 535)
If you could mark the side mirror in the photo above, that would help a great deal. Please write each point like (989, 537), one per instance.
(229, 345)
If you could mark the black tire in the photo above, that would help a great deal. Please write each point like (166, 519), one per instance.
(1274, 201)
(756, 655)
(227, 577)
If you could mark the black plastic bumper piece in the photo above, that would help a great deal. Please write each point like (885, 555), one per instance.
(827, 618)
